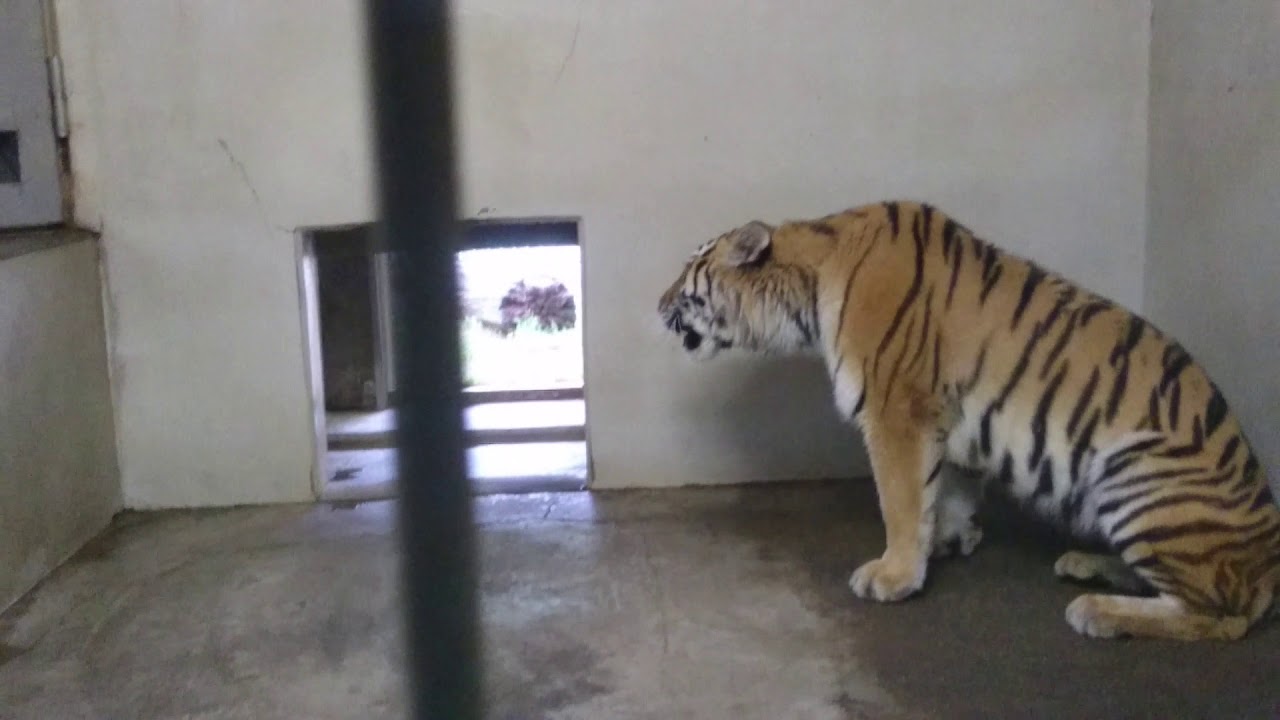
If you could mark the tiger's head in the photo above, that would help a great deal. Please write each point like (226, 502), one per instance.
(734, 292)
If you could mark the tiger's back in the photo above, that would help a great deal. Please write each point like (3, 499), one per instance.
(944, 348)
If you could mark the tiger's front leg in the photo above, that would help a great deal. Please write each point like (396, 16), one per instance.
(906, 460)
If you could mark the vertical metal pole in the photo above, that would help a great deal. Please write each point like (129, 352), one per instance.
(410, 52)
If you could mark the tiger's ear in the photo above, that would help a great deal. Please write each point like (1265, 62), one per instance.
(750, 244)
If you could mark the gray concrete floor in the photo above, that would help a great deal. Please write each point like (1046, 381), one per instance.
(675, 604)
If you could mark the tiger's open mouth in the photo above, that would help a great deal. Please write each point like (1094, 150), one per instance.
(692, 339)
(694, 342)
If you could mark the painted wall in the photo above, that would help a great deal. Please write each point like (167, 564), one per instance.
(59, 484)
(204, 132)
(664, 123)
(1213, 254)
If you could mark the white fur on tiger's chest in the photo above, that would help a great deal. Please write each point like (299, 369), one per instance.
(846, 379)
(847, 390)
(1007, 454)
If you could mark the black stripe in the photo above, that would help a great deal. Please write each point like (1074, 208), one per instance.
(1229, 547)
(1112, 470)
(1136, 447)
(1182, 451)
(985, 431)
(937, 361)
(1035, 276)
(1082, 445)
(926, 211)
(1093, 308)
(1229, 451)
(1045, 486)
(1215, 412)
(991, 271)
(1140, 481)
(948, 237)
(912, 293)
(1060, 343)
(1211, 500)
(1210, 480)
(955, 274)
(1263, 499)
(1119, 460)
(1195, 446)
(1042, 413)
(848, 288)
(813, 308)
(977, 370)
(802, 326)
(823, 228)
(924, 331)
(1153, 409)
(1250, 465)
(1192, 595)
(1018, 371)
(1086, 397)
(892, 209)
(1117, 390)
(1131, 339)
(933, 474)
(1242, 482)
(897, 365)
(1071, 502)
(1005, 477)
(1175, 406)
(1147, 562)
(1197, 527)
(1176, 360)
(857, 407)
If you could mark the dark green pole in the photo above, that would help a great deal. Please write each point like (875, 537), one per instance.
(411, 73)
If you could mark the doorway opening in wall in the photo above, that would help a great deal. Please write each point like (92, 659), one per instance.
(520, 330)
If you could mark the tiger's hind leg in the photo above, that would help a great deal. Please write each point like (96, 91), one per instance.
(1110, 570)
(956, 530)
(1203, 543)
(1163, 617)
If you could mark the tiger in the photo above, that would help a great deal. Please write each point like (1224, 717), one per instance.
(945, 350)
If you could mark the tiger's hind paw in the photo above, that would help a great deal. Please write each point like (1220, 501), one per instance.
(961, 541)
(1099, 569)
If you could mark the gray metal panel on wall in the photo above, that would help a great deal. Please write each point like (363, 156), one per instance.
(29, 189)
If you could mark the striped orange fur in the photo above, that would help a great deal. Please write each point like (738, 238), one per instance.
(944, 349)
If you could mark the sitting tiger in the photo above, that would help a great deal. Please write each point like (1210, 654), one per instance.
(943, 348)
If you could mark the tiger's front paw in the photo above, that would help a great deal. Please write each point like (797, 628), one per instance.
(887, 581)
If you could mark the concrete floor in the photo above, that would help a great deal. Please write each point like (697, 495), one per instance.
(677, 604)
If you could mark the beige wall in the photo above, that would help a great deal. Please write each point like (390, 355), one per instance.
(664, 123)
(59, 484)
(1213, 253)
(203, 134)
(205, 131)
